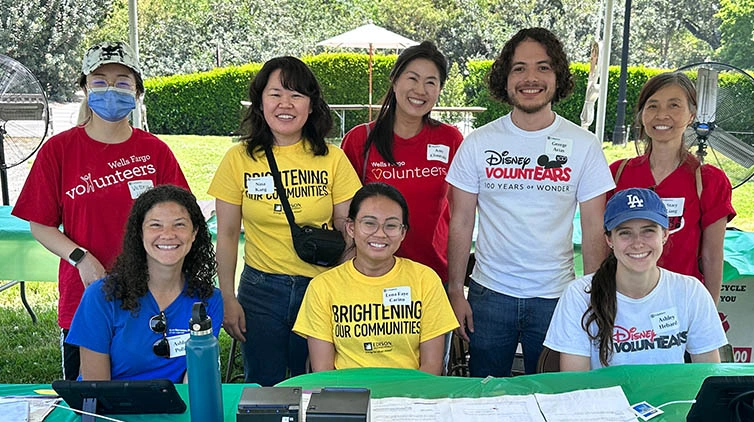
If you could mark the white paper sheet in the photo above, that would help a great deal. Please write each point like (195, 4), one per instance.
(486, 409)
(598, 405)
(14, 410)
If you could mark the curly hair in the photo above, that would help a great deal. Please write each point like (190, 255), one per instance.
(295, 76)
(650, 88)
(129, 277)
(382, 133)
(501, 68)
(603, 306)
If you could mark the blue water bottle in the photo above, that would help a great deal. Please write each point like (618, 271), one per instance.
(203, 361)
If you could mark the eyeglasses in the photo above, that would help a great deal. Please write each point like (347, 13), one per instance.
(370, 226)
(159, 325)
(120, 83)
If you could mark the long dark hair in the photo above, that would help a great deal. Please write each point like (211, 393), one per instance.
(654, 84)
(382, 133)
(603, 306)
(295, 76)
(501, 68)
(129, 277)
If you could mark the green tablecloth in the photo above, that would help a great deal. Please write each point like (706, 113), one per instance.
(21, 256)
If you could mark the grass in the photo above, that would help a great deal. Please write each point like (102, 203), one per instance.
(29, 353)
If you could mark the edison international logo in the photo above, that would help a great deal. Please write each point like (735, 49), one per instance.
(378, 346)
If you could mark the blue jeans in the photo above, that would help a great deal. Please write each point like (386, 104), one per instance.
(271, 303)
(500, 323)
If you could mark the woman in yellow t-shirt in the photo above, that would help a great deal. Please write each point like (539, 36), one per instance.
(376, 310)
(288, 115)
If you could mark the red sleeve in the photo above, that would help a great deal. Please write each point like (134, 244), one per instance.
(41, 199)
(171, 173)
(613, 170)
(716, 196)
(456, 137)
(353, 146)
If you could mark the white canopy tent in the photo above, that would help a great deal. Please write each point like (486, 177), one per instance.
(369, 36)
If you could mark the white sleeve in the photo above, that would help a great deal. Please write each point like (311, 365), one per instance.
(705, 329)
(596, 178)
(463, 172)
(565, 334)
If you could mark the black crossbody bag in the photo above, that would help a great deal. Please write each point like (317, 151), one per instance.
(314, 245)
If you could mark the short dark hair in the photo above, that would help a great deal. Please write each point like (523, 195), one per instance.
(501, 68)
(378, 189)
(295, 76)
(382, 133)
(128, 279)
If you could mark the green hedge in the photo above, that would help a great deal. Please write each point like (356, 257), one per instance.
(208, 103)
(570, 108)
(205, 103)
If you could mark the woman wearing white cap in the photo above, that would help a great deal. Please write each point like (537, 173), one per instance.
(86, 179)
(631, 311)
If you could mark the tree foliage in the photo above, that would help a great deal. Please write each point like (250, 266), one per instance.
(737, 33)
(194, 35)
(46, 35)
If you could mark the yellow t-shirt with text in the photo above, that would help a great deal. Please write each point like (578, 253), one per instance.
(314, 184)
(376, 321)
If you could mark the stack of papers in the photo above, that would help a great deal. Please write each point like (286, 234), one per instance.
(598, 405)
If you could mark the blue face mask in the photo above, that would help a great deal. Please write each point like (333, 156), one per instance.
(111, 104)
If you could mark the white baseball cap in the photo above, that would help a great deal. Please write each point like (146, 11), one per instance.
(109, 52)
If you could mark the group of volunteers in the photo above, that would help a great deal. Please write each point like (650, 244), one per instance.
(406, 194)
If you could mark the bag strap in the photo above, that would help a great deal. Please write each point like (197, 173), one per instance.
(281, 190)
(366, 155)
(620, 170)
(699, 186)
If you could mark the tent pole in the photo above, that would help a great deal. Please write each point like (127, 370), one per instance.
(133, 39)
(370, 81)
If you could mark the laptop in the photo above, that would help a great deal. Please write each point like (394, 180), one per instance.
(724, 398)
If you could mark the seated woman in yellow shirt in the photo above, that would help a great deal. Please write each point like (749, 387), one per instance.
(376, 310)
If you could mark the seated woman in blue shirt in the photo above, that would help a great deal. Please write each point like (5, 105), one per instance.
(133, 323)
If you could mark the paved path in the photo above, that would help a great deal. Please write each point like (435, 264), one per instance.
(63, 117)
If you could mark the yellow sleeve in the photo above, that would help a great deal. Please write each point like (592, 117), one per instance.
(315, 316)
(437, 314)
(346, 181)
(227, 183)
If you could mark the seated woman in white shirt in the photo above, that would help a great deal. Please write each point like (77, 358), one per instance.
(631, 311)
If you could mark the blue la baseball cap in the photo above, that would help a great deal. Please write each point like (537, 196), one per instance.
(634, 203)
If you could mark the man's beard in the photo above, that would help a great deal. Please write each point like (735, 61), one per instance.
(530, 108)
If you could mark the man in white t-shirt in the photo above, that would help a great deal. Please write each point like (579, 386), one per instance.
(524, 174)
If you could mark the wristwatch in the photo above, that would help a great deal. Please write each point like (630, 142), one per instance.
(77, 256)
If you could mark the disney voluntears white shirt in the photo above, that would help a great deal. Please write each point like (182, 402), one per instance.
(678, 315)
(528, 186)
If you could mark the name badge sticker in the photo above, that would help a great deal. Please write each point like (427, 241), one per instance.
(260, 185)
(396, 296)
(558, 147)
(438, 153)
(137, 187)
(674, 206)
(665, 321)
(178, 345)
